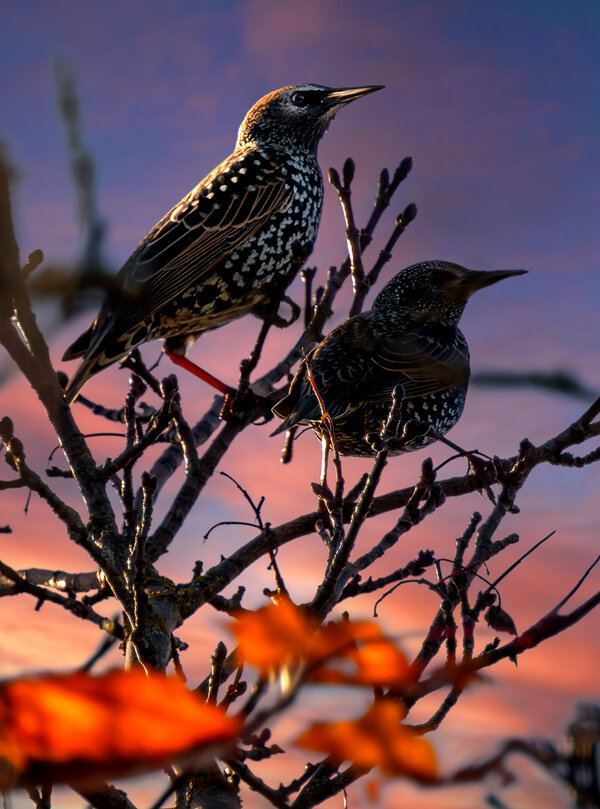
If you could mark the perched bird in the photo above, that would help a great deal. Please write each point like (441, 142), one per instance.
(231, 246)
(411, 338)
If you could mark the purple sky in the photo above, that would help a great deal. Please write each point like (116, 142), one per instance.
(499, 106)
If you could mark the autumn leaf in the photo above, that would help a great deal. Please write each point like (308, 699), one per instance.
(377, 739)
(277, 635)
(343, 652)
(78, 727)
(377, 663)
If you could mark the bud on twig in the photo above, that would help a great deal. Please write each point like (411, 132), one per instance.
(403, 169)
(334, 178)
(6, 428)
(33, 262)
(168, 386)
(384, 182)
(348, 172)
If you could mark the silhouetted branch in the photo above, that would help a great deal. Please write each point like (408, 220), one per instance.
(56, 579)
(553, 381)
(22, 584)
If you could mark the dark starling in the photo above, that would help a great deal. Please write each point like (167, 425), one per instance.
(411, 338)
(231, 246)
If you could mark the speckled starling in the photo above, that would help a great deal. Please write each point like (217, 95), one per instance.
(411, 338)
(231, 246)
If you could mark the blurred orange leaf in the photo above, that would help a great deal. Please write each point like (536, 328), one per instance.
(78, 727)
(377, 739)
(372, 790)
(378, 663)
(282, 634)
(277, 635)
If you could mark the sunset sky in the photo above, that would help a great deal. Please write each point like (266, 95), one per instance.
(499, 106)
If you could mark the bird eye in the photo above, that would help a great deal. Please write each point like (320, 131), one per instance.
(299, 99)
(444, 277)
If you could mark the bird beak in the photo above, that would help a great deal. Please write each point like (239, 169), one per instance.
(344, 95)
(478, 279)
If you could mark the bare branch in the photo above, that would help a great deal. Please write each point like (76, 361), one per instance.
(78, 608)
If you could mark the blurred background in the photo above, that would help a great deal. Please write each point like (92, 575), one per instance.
(112, 112)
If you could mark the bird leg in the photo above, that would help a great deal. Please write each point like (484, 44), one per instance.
(190, 366)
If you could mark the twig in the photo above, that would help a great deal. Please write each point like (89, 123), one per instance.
(135, 449)
(307, 275)
(57, 579)
(215, 679)
(67, 602)
(496, 582)
(257, 785)
(411, 516)
(352, 235)
(198, 473)
(402, 222)
(337, 575)
(105, 796)
(414, 568)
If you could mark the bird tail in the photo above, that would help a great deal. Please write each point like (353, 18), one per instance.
(300, 406)
(92, 345)
(80, 346)
(87, 368)
(287, 409)
(285, 425)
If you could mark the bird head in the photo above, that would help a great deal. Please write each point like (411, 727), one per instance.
(297, 115)
(436, 287)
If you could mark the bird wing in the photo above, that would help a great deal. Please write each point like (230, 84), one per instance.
(353, 366)
(424, 360)
(211, 222)
(335, 366)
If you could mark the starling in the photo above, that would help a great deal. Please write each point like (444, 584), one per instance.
(411, 338)
(230, 246)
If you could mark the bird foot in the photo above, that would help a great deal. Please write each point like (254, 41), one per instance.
(271, 315)
(237, 406)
